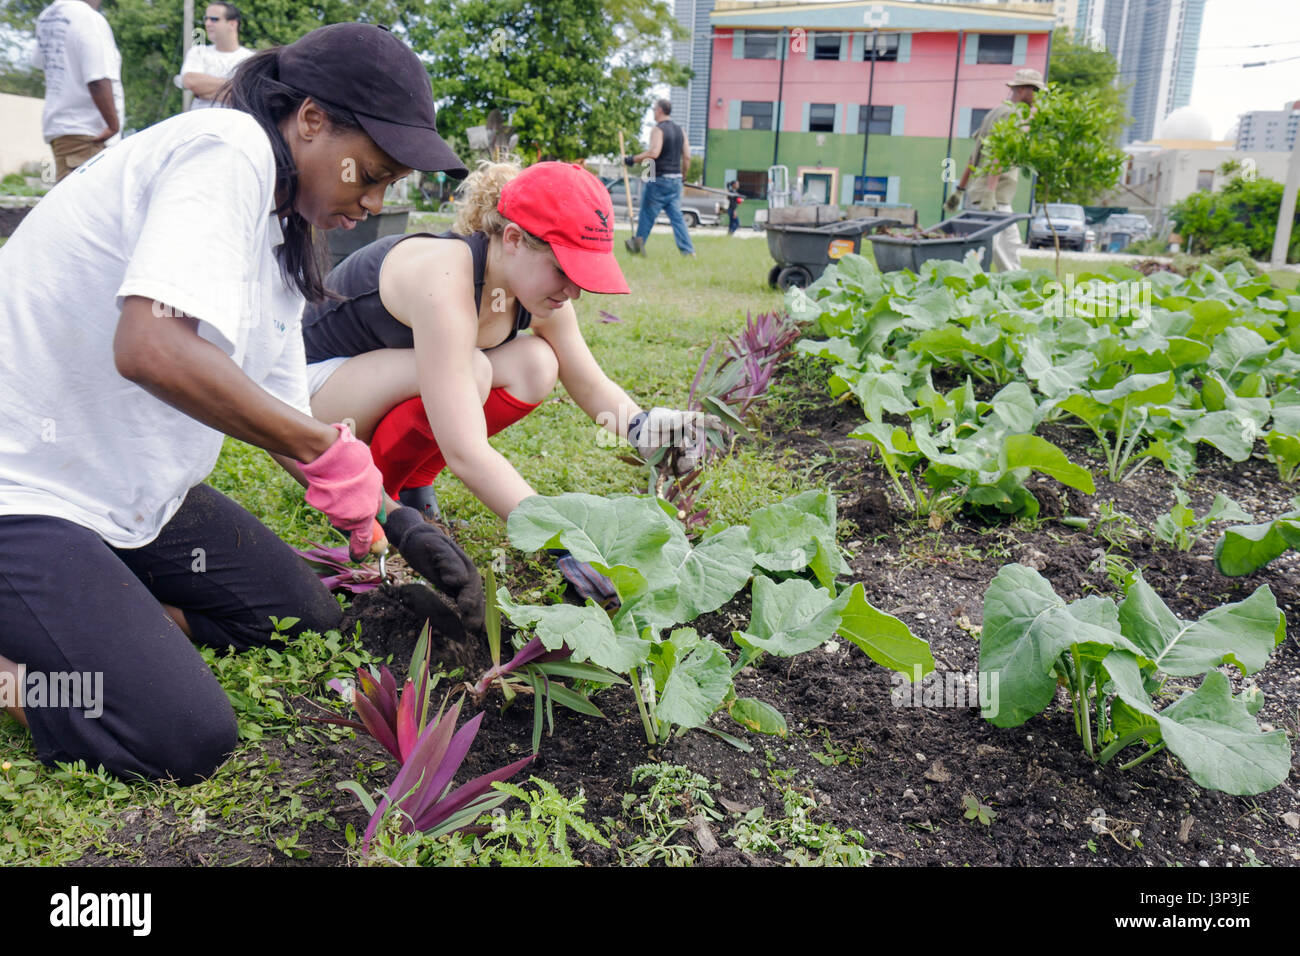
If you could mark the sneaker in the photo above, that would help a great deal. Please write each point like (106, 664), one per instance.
(423, 500)
(635, 245)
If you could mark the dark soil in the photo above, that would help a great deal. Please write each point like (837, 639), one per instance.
(898, 772)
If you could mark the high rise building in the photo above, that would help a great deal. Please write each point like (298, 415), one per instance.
(1269, 130)
(691, 102)
(1155, 43)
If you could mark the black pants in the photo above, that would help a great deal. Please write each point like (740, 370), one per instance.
(70, 603)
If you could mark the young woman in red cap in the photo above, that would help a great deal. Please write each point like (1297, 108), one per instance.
(149, 306)
(426, 351)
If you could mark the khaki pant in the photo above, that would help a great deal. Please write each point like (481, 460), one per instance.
(71, 151)
(1006, 244)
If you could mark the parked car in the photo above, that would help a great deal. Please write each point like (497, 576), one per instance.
(1122, 229)
(701, 205)
(1068, 222)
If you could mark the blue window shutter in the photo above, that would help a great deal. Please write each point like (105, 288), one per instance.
(727, 176)
(846, 38)
(896, 122)
(891, 191)
(963, 123)
(803, 126)
(972, 47)
(780, 116)
(846, 188)
(733, 118)
(810, 39)
(850, 119)
(839, 117)
(782, 45)
(1018, 51)
(858, 52)
(904, 47)
(737, 44)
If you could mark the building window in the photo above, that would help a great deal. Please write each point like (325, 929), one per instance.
(755, 115)
(881, 122)
(1205, 180)
(977, 119)
(826, 46)
(761, 45)
(821, 117)
(996, 48)
(752, 183)
(870, 189)
(881, 46)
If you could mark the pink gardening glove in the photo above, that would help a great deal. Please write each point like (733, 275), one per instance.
(345, 485)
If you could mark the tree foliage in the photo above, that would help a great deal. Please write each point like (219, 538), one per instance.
(1064, 139)
(1242, 213)
(1080, 68)
(568, 73)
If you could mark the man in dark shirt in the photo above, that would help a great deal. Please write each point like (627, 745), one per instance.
(670, 156)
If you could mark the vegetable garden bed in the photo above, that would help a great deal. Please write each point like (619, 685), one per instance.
(872, 768)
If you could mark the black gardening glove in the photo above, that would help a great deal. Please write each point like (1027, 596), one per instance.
(440, 561)
(629, 160)
(585, 580)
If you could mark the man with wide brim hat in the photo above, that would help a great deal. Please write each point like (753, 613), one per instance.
(997, 191)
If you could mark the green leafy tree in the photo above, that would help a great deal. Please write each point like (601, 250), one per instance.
(1065, 140)
(568, 74)
(1242, 213)
(1079, 68)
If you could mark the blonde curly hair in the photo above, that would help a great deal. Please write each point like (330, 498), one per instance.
(478, 197)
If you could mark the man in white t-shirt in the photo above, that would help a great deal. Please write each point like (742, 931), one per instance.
(207, 67)
(83, 82)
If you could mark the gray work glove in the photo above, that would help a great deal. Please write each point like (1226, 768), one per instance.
(679, 432)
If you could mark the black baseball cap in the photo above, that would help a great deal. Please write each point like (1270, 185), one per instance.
(365, 69)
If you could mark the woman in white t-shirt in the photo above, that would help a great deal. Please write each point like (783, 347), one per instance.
(150, 305)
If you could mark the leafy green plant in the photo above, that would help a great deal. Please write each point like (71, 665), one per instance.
(675, 795)
(976, 809)
(1244, 549)
(1182, 528)
(535, 670)
(1112, 660)
(797, 836)
(663, 581)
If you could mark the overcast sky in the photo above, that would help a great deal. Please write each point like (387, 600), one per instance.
(1232, 28)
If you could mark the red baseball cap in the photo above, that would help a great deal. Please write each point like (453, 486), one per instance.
(564, 205)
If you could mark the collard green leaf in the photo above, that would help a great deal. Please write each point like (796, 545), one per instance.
(791, 617)
(1243, 633)
(588, 631)
(1027, 627)
(1245, 548)
(797, 533)
(695, 686)
(758, 716)
(1210, 731)
(1030, 451)
(882, 637)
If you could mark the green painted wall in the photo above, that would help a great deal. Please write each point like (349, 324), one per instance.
(916, 160)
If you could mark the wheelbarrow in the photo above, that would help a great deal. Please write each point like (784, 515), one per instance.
(973, 229)
(802, 253)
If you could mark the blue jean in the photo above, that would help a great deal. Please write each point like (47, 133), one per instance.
(666, 195)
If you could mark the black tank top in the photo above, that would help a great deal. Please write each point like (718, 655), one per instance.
(359, 322)
(670, 153)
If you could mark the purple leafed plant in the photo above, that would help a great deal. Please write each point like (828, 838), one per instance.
(422, 789)
(337, 572)
(534, 652)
